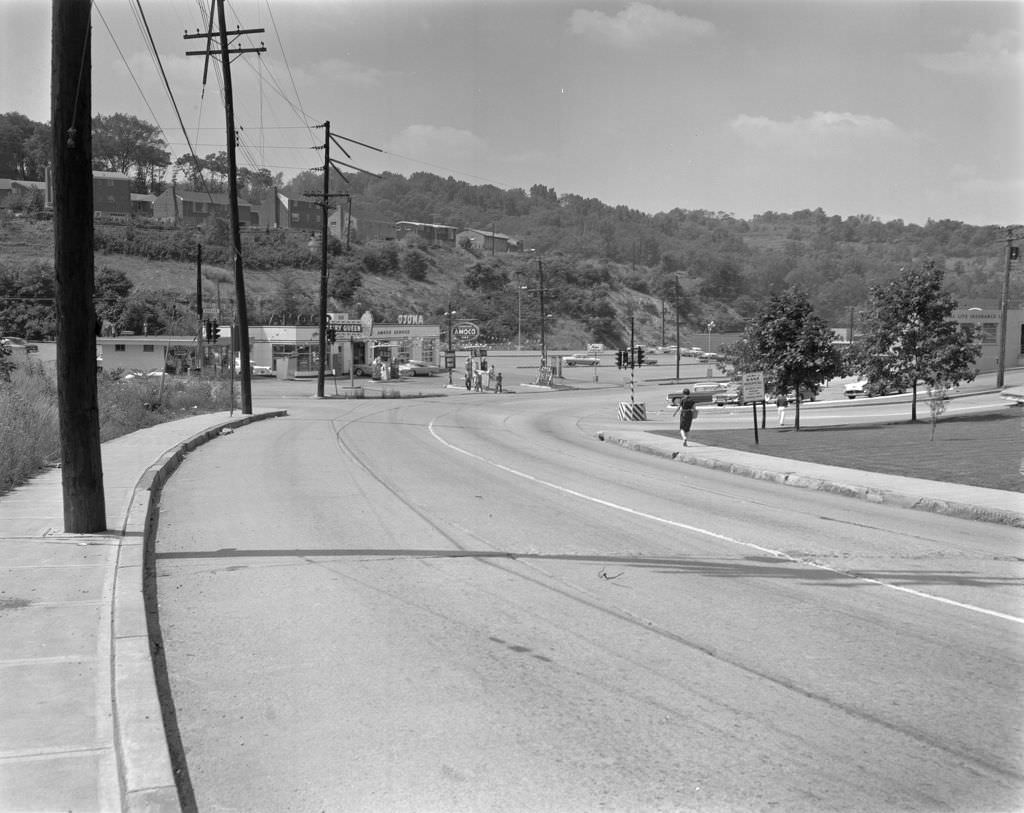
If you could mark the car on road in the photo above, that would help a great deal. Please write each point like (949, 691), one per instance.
(733, 394)
(415, 367)
(581, 360)
(18, 343)
(262, 370)
(700, 392)
(864, 387)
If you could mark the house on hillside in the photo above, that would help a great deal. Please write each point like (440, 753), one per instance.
(278, 211)
(342, 225)
(433, 233)
(111, 194)
(489, 242)
(142, 205)
(184, 207)
(12, 188)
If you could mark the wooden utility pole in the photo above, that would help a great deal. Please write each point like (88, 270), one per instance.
(1003, 307)
(325, 204)
(241, 313)
(77, 405)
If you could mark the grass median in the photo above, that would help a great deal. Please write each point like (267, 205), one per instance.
(984, 450)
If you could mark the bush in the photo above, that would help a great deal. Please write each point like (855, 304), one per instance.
(29, 423)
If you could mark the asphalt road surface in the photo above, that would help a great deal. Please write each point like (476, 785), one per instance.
(469, 604)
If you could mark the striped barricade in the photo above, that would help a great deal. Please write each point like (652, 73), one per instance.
(628, 411)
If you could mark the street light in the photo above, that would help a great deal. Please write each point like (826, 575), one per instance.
(519, 292)
(710, 327)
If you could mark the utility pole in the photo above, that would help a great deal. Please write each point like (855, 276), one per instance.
(77, 402)
(325, 199)
(543, 317)
(199, 305)
(1003, 306)
(676, 280)
(241, 314)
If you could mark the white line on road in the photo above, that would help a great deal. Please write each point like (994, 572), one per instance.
(714, 535)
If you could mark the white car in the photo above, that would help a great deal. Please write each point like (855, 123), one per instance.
(416, 367)
(581, 360)
(855, 388)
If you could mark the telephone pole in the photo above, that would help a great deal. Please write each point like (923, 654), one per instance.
(325, 200)
(77, 404)
(1003, 307)
(241, 312)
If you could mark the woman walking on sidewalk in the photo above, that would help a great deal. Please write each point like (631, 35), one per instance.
(687, 412)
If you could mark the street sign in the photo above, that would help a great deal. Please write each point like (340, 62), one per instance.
(753, 387)
(465, 332)
(348, 327)
(449, 360)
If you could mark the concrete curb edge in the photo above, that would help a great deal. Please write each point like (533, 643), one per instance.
(791, 478)
(144, 763)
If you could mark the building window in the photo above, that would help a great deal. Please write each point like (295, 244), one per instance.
(988, 332)
(148, 348)
(119, 348)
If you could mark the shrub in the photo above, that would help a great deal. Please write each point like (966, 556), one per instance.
(29, 423)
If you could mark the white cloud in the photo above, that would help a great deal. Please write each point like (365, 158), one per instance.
(986, 55)
(820, 129)
(637, 24)
(443, 147)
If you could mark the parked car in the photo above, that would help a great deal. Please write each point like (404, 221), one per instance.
(581, 360)
(864, 387)
(733, 394)
(139, 375)
(262, 370)
(415, 367)
(17, 343)
(700, 392)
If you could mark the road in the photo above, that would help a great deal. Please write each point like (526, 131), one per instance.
(466, 603)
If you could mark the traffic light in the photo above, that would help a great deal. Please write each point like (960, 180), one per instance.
(332, 334)
(208, 327)
(639, 356)
(215, 330)
(620, 358)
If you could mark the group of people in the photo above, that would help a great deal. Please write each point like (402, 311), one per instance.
(687, 411)
(479, 378)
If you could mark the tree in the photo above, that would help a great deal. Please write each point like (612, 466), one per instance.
(791, 345)
(131, 146)
(910, 336)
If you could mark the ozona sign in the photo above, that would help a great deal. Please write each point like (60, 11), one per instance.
(465, 331)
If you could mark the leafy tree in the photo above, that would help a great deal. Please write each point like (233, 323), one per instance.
(129, 145)
(790, 344)
(910, 336)
(20, 142)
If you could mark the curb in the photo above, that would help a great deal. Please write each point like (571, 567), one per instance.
(144, 766)
(791, 478)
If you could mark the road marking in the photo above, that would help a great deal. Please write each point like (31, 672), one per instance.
(722, 537)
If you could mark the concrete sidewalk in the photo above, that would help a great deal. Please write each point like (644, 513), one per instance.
(79, 713)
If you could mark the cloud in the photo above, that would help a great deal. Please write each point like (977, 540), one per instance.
(986, 55)
(443, 147)
(819, 129)
(637, 24)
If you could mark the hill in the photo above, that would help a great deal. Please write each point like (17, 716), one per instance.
(601, 264)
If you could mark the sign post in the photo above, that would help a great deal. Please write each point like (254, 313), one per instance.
(752, 393)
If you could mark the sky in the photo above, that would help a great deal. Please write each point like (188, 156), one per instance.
(899, 110)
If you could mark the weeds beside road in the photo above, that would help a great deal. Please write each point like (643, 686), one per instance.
(983, 450)
(29, 428)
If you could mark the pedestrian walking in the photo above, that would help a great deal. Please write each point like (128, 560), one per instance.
(781, 402)
(687, 411)
(497, 382)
